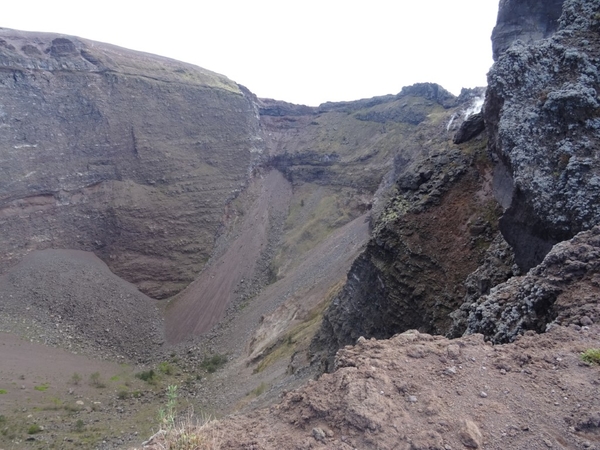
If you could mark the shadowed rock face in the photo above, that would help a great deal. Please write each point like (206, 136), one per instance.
(130, 155)
(528, 21)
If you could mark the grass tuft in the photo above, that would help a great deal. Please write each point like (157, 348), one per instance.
(591, 356)
(213, 363)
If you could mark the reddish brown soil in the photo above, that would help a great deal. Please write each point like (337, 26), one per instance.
(421, 392)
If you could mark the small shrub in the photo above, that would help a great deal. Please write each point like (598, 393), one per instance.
(591, 356)
(96, 381)
(41, 387)
(79, 426)
(71, 408)
(2, 418)
(149, 376)
(3, 391)
(75, 379)
(33, 429)
(123, 394)
(214, 363)
(166, 368)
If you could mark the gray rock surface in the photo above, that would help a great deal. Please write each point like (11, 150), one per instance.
(561, 290)
(473, 126)
(527, 21)
(541, 113)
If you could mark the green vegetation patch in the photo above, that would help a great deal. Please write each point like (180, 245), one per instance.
(213, 363)
(301, 334)
(149, 376)
(42, 387)
(33, 429)
(96, 381)
(3, 391)
(166, 368)
(591, 356)
(75, 379)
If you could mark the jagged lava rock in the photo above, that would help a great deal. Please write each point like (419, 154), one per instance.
(561, 290)
(543, 119)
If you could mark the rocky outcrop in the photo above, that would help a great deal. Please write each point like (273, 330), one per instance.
(560, 291)
(426, 242)
(129, 155)
(498, 266)
(473, 126)
(527, 21)
(541, 113)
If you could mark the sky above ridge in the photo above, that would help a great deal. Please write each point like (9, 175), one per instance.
(305, 52)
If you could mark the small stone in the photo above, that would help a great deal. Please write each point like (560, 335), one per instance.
(318, 434)
(503, 372)
(412, 399)
(470, 435)
(450, 371)
(548, 443)
(361, 340)
(453, 351)
(483, 394)
(586, 321)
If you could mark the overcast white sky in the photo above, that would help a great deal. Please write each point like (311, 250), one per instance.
(308, 51)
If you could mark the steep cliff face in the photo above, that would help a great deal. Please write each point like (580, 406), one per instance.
(130, 155)
(543, 119)
(541, 113)
(527, 21)
(431, 234)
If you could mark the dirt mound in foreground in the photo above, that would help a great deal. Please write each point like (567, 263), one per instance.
(417, 391)
(71, 299)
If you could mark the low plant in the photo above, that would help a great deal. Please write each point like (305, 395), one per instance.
(123, 394)
(213, 363)
(591, 356)
(75, 379)
(149, 376)
(166, 368)
(96, 381)
(193, 434)
(3, 391)
(41, 388)
(168, 413)
(79, 426)
(33, 429)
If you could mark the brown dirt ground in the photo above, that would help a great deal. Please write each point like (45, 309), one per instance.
(417, 391)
